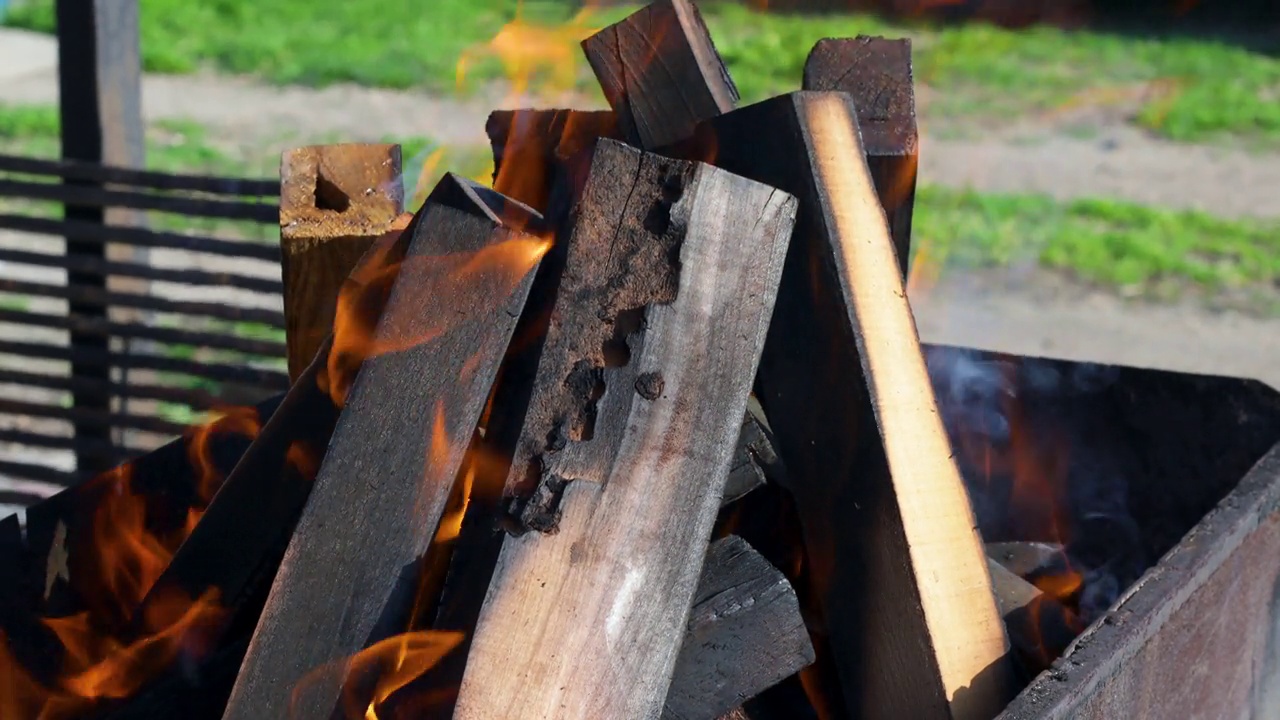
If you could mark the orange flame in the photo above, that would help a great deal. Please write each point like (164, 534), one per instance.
(527, 50)
(396, 661)
(360, 331)
(102, 660)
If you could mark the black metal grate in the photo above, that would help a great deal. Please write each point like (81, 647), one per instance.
(110, 352)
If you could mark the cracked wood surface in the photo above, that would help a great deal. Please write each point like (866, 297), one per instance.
(587, 622)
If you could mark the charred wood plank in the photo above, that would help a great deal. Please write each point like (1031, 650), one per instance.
(893, 554)
(348, 576)
(660, 72)
(876, 72)
(335, 201)
(745, 633)
(640, 391)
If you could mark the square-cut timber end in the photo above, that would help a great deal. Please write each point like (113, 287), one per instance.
(347, 190)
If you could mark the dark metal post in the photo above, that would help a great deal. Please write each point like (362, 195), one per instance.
(100, 78)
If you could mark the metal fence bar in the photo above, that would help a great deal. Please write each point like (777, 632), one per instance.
(75, 170)
(97, 296)
(182, 276)
(268, 380)
(97, 327)
(97, 234)
(96, 197)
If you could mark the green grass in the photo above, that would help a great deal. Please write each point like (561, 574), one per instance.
(1129, 247)
(1187, 89)
(1132, 248)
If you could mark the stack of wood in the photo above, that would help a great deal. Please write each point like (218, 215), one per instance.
(544, 408)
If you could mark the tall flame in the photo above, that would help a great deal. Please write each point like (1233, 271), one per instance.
(528, 50)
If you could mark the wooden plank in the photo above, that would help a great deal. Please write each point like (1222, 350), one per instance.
(876, 72)
(99, 83)
(640, 391)
(348, 576)
(660, 72)
(896, 566)
(1196, 637)
(745, 634)
(335, 200)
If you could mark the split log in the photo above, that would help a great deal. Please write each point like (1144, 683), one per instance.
(876, 72)
(660, 72)
(895, 564)
(745, 634)
(349, 574)
(335, 200)
(640, 388)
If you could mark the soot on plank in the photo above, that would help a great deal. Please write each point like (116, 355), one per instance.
(625, 241)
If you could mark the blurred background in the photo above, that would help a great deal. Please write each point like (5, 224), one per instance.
(1100, 179)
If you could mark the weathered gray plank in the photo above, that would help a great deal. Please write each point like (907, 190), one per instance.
(639, 396)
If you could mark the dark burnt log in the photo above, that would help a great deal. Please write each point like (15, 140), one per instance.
(660, 72)
(892, 552)
(745, 633)
(628, 437)
(350, 572)
(876, 72)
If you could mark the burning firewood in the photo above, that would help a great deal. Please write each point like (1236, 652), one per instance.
(335, 200)
(888, 527)
(876, 72)
(640, 390)
(660, 73)
(397, 447)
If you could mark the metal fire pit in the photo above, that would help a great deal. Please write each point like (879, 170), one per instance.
(1197, 463)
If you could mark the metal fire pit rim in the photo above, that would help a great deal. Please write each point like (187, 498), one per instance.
(1144, 609)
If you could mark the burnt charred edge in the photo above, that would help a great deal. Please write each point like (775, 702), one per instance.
(622, 257)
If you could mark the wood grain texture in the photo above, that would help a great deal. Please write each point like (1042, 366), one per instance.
(348, 576)
(745, 633)
(895, 563)
(587, 622)
(876, 72)
(335, 200)
(660, 72)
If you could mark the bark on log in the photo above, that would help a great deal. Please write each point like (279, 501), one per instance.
(660, 72)
(640, 392)
(335, 200)
(895, 563)
(349, 574)
(876, 72)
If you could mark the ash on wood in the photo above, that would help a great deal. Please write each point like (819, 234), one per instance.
(745, 634)
(348, 576)
(896, 566)
(643, 380)
(876, 72)
(661, 73)
(335, 200)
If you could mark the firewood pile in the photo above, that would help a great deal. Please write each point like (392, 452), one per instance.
(643, 430)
